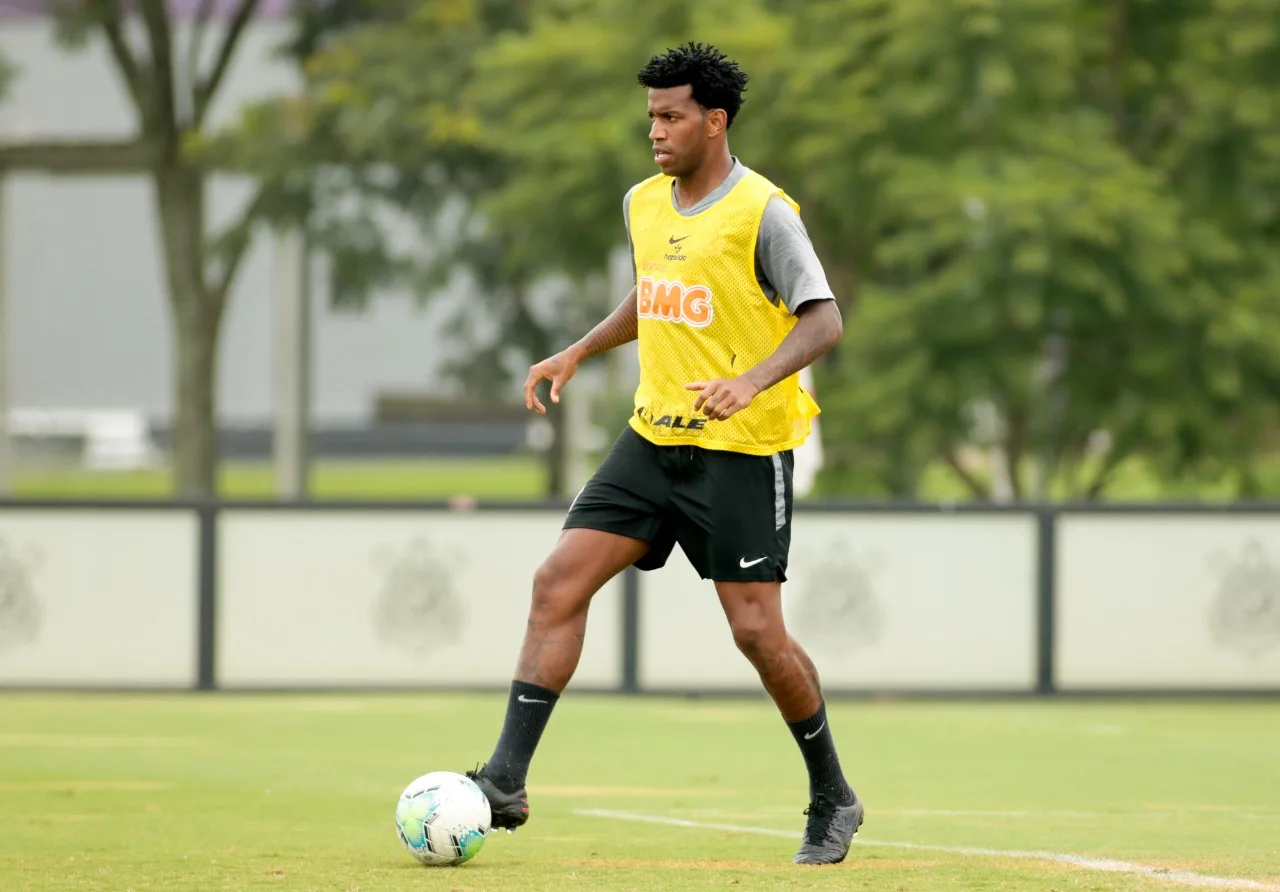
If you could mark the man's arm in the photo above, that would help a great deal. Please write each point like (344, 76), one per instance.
(618, 328)
(791, 276)
(818, 328)
(622, 325)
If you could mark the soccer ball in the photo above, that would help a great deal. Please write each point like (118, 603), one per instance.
(442, 818)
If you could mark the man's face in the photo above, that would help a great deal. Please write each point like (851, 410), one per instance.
(679, 130)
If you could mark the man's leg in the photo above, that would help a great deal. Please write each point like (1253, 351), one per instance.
(582, 562)
(754, 611)
(578, 567)
(737, 531)
(616, 521)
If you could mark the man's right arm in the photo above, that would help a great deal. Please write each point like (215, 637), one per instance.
(618, 328)
(621, 325)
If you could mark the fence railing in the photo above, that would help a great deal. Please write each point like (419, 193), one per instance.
(887, 599)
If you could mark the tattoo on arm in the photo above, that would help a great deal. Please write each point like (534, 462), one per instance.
(620, 327)
(816, 331)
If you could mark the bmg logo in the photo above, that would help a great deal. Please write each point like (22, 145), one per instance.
(674, 301)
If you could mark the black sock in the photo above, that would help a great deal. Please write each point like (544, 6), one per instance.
(528, 709)
(819, 750)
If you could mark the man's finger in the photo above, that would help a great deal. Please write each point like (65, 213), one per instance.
(531, 400)
(729, 405)
(697, 385)
(529, 383)
(556, 383)
(712, 398)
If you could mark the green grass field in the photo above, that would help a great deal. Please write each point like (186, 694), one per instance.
(438, 478)
(263, 791)
(502, 478)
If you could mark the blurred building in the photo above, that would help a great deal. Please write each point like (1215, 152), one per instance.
(88, 316)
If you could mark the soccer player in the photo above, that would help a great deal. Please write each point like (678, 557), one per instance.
(729, 304)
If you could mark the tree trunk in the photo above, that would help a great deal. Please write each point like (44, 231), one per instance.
(557, 455)
(195, 430)
(197, 319)
(1015, 447)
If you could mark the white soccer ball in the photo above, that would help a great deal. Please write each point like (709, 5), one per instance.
(443, 818)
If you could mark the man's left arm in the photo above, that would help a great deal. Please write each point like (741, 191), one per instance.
(818, 328)
(793, 276)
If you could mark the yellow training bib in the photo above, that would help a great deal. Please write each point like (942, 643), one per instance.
(702, 315)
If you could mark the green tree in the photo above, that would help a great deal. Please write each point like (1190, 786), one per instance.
(385, 131)
(1208, 124)
(1017, 259)
(1051, 224)
(171, 85)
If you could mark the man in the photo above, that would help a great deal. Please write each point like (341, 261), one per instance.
(730, 303)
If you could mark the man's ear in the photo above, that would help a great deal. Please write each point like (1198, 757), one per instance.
(717, 121)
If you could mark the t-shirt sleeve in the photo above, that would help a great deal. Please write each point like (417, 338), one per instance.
(786, 263)
(626, 222)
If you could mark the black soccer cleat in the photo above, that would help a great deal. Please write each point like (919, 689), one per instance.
(829, 831)
(510, 809)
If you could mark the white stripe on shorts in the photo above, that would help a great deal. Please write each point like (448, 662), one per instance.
(779, 494)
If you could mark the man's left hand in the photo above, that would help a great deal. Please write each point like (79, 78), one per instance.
(722, 397)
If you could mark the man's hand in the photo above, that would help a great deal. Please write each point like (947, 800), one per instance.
(558, 370)
(723, 397)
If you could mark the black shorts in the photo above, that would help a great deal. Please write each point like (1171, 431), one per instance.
(730, 512)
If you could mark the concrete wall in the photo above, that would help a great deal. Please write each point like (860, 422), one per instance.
(1017, 601)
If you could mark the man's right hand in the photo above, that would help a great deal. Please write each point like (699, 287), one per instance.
(558, 370)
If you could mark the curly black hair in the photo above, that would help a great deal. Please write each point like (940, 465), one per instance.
(716, 79)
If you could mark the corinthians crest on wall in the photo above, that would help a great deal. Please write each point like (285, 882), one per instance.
(1245, 613)
(418, 608)
(838, 609)
(20, 611)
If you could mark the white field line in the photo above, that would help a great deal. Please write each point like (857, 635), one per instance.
(1106, 865)
(1018, 813)
(1091, 815)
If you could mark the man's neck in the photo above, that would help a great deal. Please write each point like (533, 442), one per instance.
(702, 182)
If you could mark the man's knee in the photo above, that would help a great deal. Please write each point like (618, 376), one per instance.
(582, 562)
(754, 611)
(555, 594)
(757, 634)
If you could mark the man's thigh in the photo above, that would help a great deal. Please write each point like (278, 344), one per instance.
(734, 519)
(628, 496)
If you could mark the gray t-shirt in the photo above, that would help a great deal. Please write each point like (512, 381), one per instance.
(786, 265)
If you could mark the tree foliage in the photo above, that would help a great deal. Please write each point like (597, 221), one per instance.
(1030, 254)
(1052, 223)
